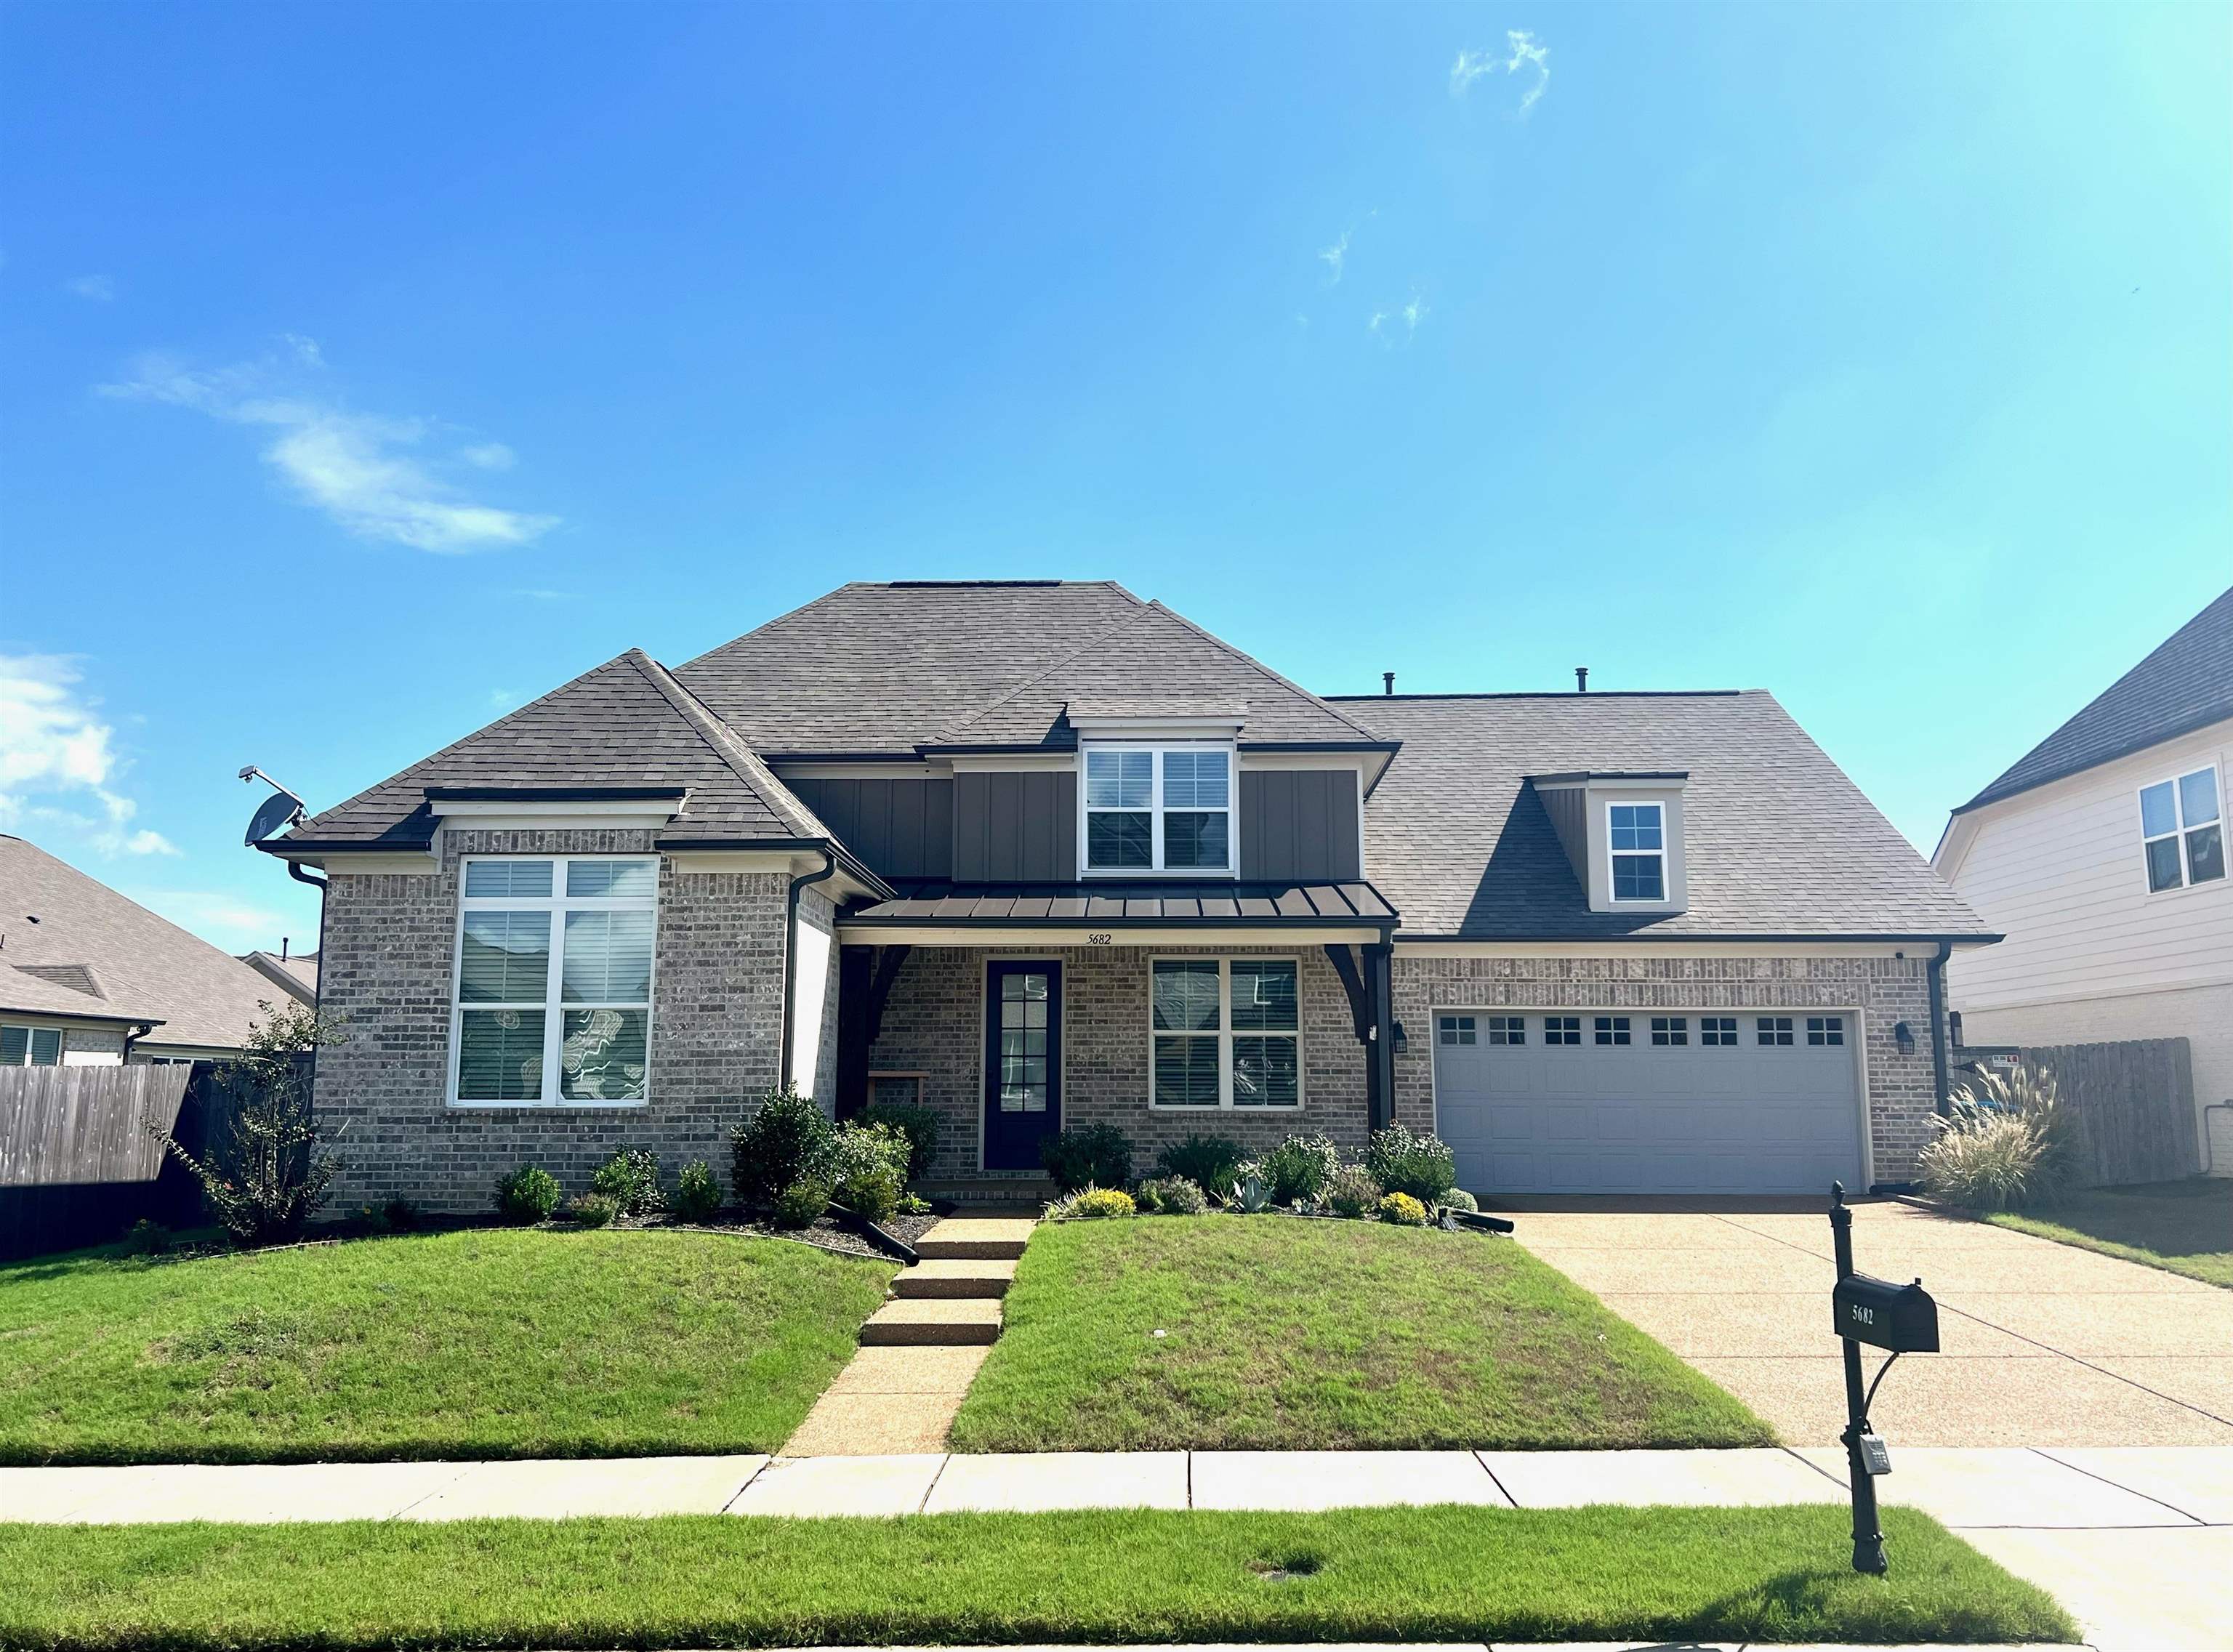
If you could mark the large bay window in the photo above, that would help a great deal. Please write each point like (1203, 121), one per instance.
(1158, 808)
(553, 1005)
(1225, 1032)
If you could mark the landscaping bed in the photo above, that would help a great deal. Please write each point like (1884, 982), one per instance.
(1360, 1575)
(2179, 1227)
(1264, 1333)
(488, 1343)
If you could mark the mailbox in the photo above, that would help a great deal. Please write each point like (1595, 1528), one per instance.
(1901, 1318)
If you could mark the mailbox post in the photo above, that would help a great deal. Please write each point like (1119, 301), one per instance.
(1900, 1318)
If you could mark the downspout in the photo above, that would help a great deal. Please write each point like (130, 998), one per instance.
(296, 872)
(1934, 973)
(791, 961)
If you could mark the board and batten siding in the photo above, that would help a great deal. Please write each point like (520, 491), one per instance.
(2091, 954)
(1015, 826)
(900, 827)
(1300, 825)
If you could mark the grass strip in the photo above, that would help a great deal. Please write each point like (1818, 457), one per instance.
(2184, 1227)
(1137, 1576)
(1265, 1333)
(489, 1343)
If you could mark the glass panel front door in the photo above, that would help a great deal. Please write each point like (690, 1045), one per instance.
(1023, 1061)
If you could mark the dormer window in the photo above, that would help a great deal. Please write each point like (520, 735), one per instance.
(1158, 808)
(1637, 833)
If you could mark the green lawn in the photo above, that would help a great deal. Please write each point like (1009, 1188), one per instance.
(1438, 1574)
(1269, 1333)
(2180, 1226)
(494, 1343)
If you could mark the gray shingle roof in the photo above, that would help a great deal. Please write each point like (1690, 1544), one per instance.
(628, 723)
(92, 952)
(2185, 685)
(1778, 840)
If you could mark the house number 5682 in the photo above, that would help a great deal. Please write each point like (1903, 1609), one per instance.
(1099, 938)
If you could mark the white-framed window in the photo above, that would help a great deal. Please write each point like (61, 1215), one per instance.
(1775, 1029)
(2182, 831)
(1562, 1029)
(1456, 1029)
(1825, 1029)
(1507, 1029)
(1225, 1032)
(1150, 809)
(30, 1046)
(552, 1004)
(1670, 1030)
(1720, 1030)
(1636, 836)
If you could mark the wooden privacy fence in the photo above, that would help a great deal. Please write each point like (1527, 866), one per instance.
(2132, 1107)
(77, 1162)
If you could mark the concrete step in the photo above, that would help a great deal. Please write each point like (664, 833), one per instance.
(951, 1277)
(934, 1323)
(976, 1238)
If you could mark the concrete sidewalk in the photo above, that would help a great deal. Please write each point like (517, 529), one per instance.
(2136, 1541)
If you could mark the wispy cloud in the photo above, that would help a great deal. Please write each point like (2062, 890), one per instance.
(1396, 325)
(1523, 57)
(539, 595)
(100, 288)
(365, 471)
(58, 757)
(1335, 255)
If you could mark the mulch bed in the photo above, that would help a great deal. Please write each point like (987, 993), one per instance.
(829, 1235)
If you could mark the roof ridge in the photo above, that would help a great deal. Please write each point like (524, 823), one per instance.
(731, 748)
(1250, 659)
(1083, 649)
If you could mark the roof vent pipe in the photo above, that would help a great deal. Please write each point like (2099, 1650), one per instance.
(1581, 680)
(1387, 682)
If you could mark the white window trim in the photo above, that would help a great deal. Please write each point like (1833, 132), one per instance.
(1157, 868)
(1612, 887)
(2179, 829)
(557, 903)
(1225, 1034)
(31, 1031)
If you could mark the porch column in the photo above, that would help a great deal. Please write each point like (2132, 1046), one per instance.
(1380, 1050)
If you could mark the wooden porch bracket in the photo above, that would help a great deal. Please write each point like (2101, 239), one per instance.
(1372, 1015)
(1352, 983)
(865, 975)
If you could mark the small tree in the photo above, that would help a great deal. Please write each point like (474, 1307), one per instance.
(264, 1176)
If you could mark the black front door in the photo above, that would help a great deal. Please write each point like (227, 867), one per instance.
(1023, 1061)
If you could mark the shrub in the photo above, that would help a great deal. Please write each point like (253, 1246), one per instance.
(2003, 1145)
(146, 1238)
(402, 1216)
(801, 1204)
(1251, 1194)
(786, 1139)
(1299, 1167)
(1211, 1162)
(867, 1169)
(921, 1126)
(265, 1178)
(1352, 1191)
(913, 1204)
(1089, 1155)
(1401, 1162)
(1171, 1196)
(528, 1194)
(697, 1196)
(1089, 1203)
(630, 1179)
(1458, 1199)
(1403, 1210)
(593, 1210)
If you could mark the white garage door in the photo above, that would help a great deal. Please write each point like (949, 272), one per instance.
(1614, 1102)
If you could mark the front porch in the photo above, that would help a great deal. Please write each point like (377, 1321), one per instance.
(921, 1018)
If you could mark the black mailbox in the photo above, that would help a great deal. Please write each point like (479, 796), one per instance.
(1902, 1317)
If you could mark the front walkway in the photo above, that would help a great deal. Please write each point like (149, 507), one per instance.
(2045, 1344)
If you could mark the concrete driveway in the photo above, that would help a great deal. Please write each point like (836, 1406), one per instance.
(2044, 1344)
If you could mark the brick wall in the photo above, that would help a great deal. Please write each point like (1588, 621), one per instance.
(389, 942)
(934, 1020)
(1885, 991)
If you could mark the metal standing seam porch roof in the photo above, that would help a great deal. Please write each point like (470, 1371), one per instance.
(1121, 905)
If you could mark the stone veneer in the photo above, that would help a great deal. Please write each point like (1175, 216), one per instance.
(389, 947)
(1902, 1097)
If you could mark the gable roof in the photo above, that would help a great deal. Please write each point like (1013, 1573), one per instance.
(628, 723)
(1149, 652)
(92, 952)
(2186, 684)
(1777, 841)
(296, 974)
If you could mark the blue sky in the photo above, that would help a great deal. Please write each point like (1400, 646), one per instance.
(371, 370)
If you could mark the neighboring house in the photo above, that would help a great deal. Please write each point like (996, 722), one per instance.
(88, 978)
(2102, 853)
(294, 974)
(1040, 854)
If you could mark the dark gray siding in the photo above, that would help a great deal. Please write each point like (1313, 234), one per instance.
(901, 828)
(1568, 808)
(1299, 825)
(1016, 828)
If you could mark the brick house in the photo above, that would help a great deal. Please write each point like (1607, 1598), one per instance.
(1040, 854)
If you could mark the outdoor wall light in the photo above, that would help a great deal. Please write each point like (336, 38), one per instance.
(1904, 1036)
(1403, 1043)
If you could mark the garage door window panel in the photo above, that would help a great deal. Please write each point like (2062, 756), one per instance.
(1562, 1030)
(1612, 1030)
(1774, 1030)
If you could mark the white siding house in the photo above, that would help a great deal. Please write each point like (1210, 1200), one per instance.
(2109, 883)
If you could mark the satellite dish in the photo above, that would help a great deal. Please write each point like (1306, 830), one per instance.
(278, 812)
